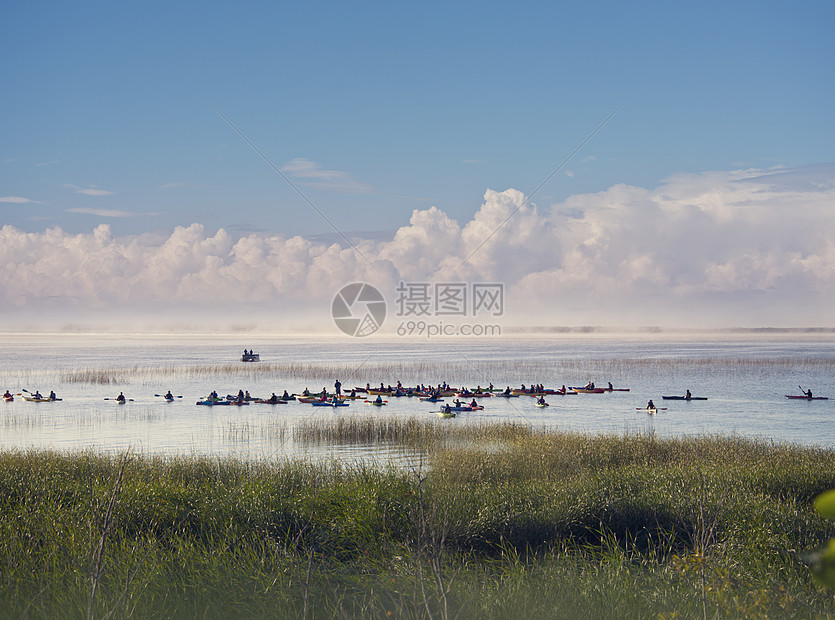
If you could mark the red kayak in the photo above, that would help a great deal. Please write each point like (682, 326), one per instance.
(809, 397)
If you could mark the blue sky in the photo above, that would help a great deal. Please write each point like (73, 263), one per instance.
(420, 131)
(378, 109)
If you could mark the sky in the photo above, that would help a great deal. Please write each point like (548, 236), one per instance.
(608, 163)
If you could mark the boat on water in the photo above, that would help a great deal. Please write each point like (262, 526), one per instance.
(808, 397)
(582, 390)
(684, 397)
(445, 414)
(249, 356)
(38, 399)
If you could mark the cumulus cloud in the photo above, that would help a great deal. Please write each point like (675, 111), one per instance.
(720, 248)
(311, 175)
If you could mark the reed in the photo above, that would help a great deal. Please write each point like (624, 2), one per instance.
(497, 521)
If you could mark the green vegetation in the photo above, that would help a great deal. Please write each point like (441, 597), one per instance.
(492, 521)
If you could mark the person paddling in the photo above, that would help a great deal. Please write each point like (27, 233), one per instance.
(120, 398)
(650, 404)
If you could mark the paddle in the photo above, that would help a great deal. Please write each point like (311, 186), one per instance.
(163, 396)
(130, 400)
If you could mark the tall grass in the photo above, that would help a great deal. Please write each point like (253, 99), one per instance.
(503, 521)
(469, 372)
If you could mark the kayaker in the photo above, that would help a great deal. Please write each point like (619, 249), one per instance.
(285, 396)
(38, 395)
(52, 395)
(273, 399)
(7, 394)
(612, 387)
(447, 408)
(120, 398)
(338, 387)
(474, 404)
(541, 400)
(688, 395)
(650, 404)
(169, 396)
(809, 393)
(379, 399)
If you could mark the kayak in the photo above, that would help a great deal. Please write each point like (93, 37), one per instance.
(542, 405)
(686, 398)
(32, 399)
(212, 402)
(374, 403)
(267, 401)
(432, 399)
(330, 404)
(9, 398)
(446, 414)
(809, 397)
(616, 389)
(587, 391)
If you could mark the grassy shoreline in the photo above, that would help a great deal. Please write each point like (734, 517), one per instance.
(503, 521)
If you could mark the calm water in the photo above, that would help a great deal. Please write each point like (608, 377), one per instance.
(746, 382)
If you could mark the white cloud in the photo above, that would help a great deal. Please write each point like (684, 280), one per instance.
(17, 200)
(718, 248)
(101, 212)
(94, 191)
(327, 180)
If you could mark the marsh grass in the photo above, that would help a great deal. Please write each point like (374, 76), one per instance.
(497, 521)
(469, 373)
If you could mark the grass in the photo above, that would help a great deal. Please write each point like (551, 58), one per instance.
(470, 372)
(498, 521)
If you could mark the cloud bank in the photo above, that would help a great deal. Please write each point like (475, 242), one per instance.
(716, 249)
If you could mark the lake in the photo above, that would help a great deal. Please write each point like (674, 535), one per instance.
(745, 379)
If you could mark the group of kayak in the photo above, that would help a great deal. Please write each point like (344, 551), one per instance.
(35, 397)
